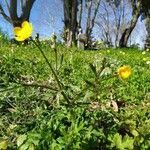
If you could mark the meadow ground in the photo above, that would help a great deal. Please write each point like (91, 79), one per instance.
(94, 108)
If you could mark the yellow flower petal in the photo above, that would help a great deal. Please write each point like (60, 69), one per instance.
(20, 39)
(27, 26)
(24, 32)
(24, 24)
(124, 72)
(17, 30)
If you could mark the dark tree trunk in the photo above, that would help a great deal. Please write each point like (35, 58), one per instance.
(13, 11)
(80, 13)
(127, 32)
(147, 25)
(88, 24)
(74, 20)
(70, 21)
(146, 4)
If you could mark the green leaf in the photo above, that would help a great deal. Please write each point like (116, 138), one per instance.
(128, 142)
(24, 146)
(105, 71)
(34, 138)
(21, 139)
(3, 145)
(90, 83)
(31, 147)
(61, 59)
(93, 68)
(134, 133)
(118, 141)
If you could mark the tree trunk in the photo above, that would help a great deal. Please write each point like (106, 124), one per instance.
(74, 20)
(147, 25)
(127, 32)
(88, 23)
(70, 21)
(80, 14)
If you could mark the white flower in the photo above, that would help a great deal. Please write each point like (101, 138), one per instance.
(144, 53)
(148, 62)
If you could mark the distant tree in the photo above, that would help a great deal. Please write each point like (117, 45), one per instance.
(104, 23)
(80, 12)
(138, 7)
(112, 19)
(93, 8)
(118, 18)
(147, 25)
(136, 12)
(70, 21)
(73, 17)
(146, 18)
(13, 17)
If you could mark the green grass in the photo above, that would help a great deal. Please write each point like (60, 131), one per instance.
(34, 117)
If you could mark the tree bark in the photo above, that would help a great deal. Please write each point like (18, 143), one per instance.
(80, 13)
(13, 11)
(88, 23)
(70, 21)
(74, 20)
(127, 32)
(147, 25)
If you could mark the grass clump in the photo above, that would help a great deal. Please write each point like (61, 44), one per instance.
(104, 111)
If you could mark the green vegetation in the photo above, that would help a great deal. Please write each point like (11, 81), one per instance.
(104, 111)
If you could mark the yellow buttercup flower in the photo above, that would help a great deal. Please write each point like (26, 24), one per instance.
(24, 32)
(124, 72)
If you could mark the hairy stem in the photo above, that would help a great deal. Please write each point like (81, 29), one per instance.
(53, 72)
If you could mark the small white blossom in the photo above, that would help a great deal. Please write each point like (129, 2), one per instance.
(148, 62)
(144, 53)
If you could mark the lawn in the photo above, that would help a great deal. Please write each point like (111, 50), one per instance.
(94, 108)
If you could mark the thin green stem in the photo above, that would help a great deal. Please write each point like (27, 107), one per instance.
(56, 58)
(9, 89)
(38, 85)
(53, 72)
